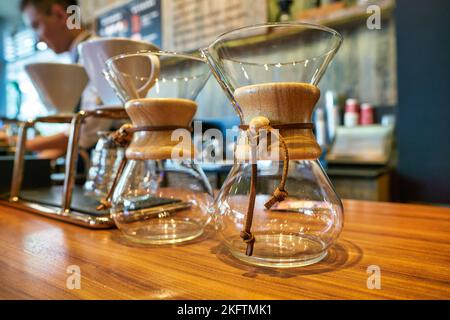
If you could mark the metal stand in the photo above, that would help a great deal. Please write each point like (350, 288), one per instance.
(65, 212)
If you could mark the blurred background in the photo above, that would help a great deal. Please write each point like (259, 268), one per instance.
(382, 121)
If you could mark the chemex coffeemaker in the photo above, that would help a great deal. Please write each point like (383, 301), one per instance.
(161, 195)
(277, 208)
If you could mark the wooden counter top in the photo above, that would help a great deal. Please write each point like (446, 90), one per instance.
(410, 244)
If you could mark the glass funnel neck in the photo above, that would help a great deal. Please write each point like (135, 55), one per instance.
(147, 75)
(271, 53)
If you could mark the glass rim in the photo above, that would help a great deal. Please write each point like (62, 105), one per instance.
(158, 53)
(311, 26)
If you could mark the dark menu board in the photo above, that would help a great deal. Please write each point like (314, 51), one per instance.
(138, 19)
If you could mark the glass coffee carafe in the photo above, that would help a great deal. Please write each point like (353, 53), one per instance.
(277, 208)
(105, 161)
(162, 195)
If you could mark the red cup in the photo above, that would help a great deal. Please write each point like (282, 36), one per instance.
(367, 115)
(352, 106)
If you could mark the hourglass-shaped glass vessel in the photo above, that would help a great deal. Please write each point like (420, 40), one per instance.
(162, 196)
(281, 209)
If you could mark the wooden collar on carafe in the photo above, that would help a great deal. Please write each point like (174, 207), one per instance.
(289, 108)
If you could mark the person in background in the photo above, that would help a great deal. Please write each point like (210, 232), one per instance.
(48, 18)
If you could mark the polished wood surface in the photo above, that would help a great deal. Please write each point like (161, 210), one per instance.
(410, 244)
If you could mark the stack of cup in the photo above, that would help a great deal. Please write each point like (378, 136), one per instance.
(351, 117)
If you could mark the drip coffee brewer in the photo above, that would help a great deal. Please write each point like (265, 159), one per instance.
(59, 85)
(161, 195)
(277, 208)
(94, 54)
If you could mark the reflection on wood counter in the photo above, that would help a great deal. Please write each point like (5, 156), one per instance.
(410, 244)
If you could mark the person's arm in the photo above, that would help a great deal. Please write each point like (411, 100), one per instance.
(3, 136)
(55, 142)
(51, 154)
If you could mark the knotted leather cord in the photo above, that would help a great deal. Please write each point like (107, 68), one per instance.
(280, 193)
(123, 137)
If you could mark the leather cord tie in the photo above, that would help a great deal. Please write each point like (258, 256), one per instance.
(285, 126)
(280, 193)
(123, 137)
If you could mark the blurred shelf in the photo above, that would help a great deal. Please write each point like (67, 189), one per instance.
(338, 15)
(334, 16)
